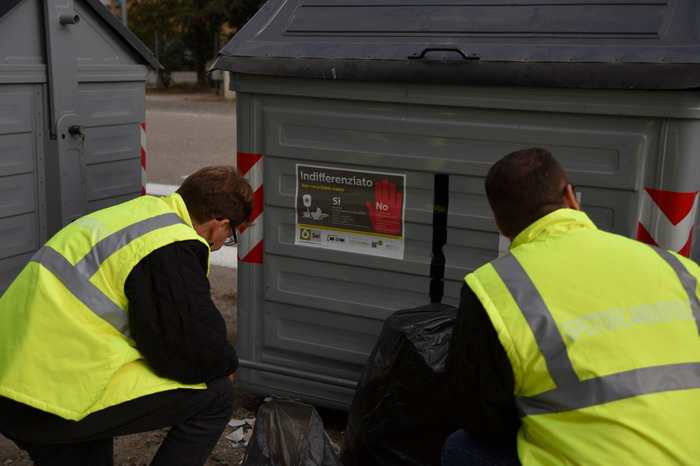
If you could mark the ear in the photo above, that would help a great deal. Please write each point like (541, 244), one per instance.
(206, 230)
(570, 197)
(501, 229)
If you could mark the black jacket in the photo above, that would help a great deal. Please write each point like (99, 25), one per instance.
(173, 319)
(480, 376)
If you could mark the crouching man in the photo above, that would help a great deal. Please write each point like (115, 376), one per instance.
(110, 329)
(578, 346)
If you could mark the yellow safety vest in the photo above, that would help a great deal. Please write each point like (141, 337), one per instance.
(603, 337)
(65, 346)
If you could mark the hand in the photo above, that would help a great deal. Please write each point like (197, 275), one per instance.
(385, 214)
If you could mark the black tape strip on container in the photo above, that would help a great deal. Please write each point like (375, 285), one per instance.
(437, 265)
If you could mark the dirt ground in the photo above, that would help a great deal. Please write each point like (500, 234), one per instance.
(138, 449)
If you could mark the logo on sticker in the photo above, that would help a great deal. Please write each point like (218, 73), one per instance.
(307, 234)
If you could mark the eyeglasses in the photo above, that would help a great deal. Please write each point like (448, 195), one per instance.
(233, 239)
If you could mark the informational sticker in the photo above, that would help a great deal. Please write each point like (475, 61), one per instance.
(350, 210)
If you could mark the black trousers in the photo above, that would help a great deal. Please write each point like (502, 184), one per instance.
(197, 419)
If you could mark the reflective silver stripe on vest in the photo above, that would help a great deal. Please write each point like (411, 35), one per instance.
(76, 278)
(540, 320)
(92, 261)
(80, 286)
(572, 394)
(687, 280)
(612, 387)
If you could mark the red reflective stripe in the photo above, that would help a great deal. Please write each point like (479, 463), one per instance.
(255, 255)
(250, 168)
(685, 250)
(675, 206)
(246, 161)
(644, 236)
(143, 159)
(673, 230)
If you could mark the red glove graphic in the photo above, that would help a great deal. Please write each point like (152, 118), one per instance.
(385, 214)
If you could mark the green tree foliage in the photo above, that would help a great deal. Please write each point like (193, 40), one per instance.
(240, 11)
(187, 34)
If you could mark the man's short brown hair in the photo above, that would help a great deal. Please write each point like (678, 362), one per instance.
(524, 186)
(218, 192)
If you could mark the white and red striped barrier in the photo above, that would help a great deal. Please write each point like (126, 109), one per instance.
(143, 159)
(250, 241)
(667, 219)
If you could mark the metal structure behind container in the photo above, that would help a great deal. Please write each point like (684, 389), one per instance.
(363, 88)
(72, 119)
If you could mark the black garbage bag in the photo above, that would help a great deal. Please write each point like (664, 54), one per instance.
(400, 414)
(289, 433)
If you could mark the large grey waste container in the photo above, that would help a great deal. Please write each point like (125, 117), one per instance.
(72, 119)
(333, 99)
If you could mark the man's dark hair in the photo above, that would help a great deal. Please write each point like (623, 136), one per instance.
(524, 186)
(218, 192)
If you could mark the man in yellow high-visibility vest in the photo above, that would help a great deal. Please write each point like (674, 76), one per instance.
(577, 346)
(110, 329)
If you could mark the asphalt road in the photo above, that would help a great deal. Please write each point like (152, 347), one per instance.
(185, 132)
